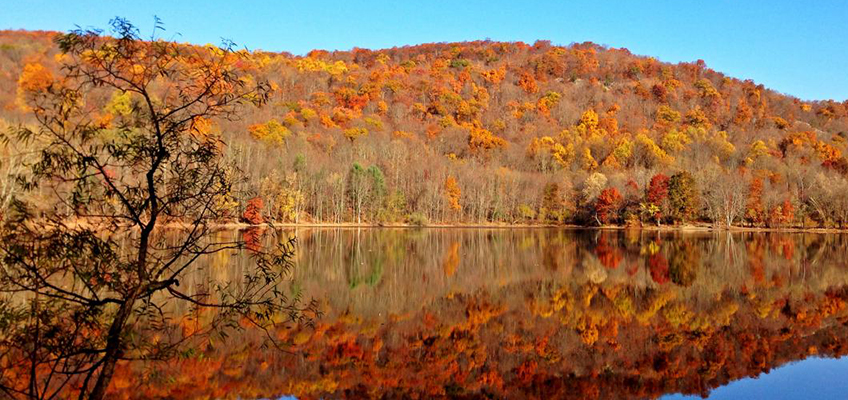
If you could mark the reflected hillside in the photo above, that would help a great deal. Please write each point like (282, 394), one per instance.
(537, 313)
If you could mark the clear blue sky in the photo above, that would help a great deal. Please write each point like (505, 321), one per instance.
(793, 46)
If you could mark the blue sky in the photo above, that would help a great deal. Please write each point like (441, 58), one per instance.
(795, 47)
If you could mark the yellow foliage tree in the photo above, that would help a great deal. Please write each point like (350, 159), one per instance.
(588, 128)
(721, 146)
(546, 149)
(547, 101)
(758, 149)
(667, 115)
(649, 149)
(272, 132)
(453, 193)
(286, 199)
(589, 119)
(120, 104)
(623, 151)
(355, 133)
(587, 161)
(706, 89)
(315, 65)
(480, 139)
(674, 141)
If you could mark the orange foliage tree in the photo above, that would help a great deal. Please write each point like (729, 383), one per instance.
(607, 205)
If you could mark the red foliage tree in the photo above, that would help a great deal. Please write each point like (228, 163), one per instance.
(253, 212)
(607, 205)
(788, 214)
(660, 92)
(657, 192)
(754, 212)
(658, 189)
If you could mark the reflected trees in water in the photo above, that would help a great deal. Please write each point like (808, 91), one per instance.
(533, 313)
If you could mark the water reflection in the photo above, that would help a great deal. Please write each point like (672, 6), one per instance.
(813, 378)
(533, 313)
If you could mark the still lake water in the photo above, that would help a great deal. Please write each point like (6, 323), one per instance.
(538, 313)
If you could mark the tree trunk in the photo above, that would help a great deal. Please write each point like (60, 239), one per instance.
(114, 349)
(114, 346)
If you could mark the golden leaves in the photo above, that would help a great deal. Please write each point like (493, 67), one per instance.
(453, 193)
(549, 100)
(316, 65)
(271, 132)
(355, 133)
(201, 127)
(120, 104)
(35, 77)
(481, 140)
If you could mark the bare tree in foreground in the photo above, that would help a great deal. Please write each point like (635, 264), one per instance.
(87, 272)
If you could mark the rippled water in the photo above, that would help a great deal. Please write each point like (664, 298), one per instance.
(535, 313)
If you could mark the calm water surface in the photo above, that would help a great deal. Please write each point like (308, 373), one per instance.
(537, 313)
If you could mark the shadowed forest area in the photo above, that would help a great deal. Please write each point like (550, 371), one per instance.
(490, 132)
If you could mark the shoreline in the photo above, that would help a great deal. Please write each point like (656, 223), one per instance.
(663, 228)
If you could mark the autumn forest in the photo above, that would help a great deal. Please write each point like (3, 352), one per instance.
(212, 221)
(495, 133)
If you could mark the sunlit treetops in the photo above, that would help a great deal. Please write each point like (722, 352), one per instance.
(545, 112)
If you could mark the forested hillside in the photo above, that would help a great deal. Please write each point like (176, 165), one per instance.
(490, 132)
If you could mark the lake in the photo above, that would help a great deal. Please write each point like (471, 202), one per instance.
(534, 313)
